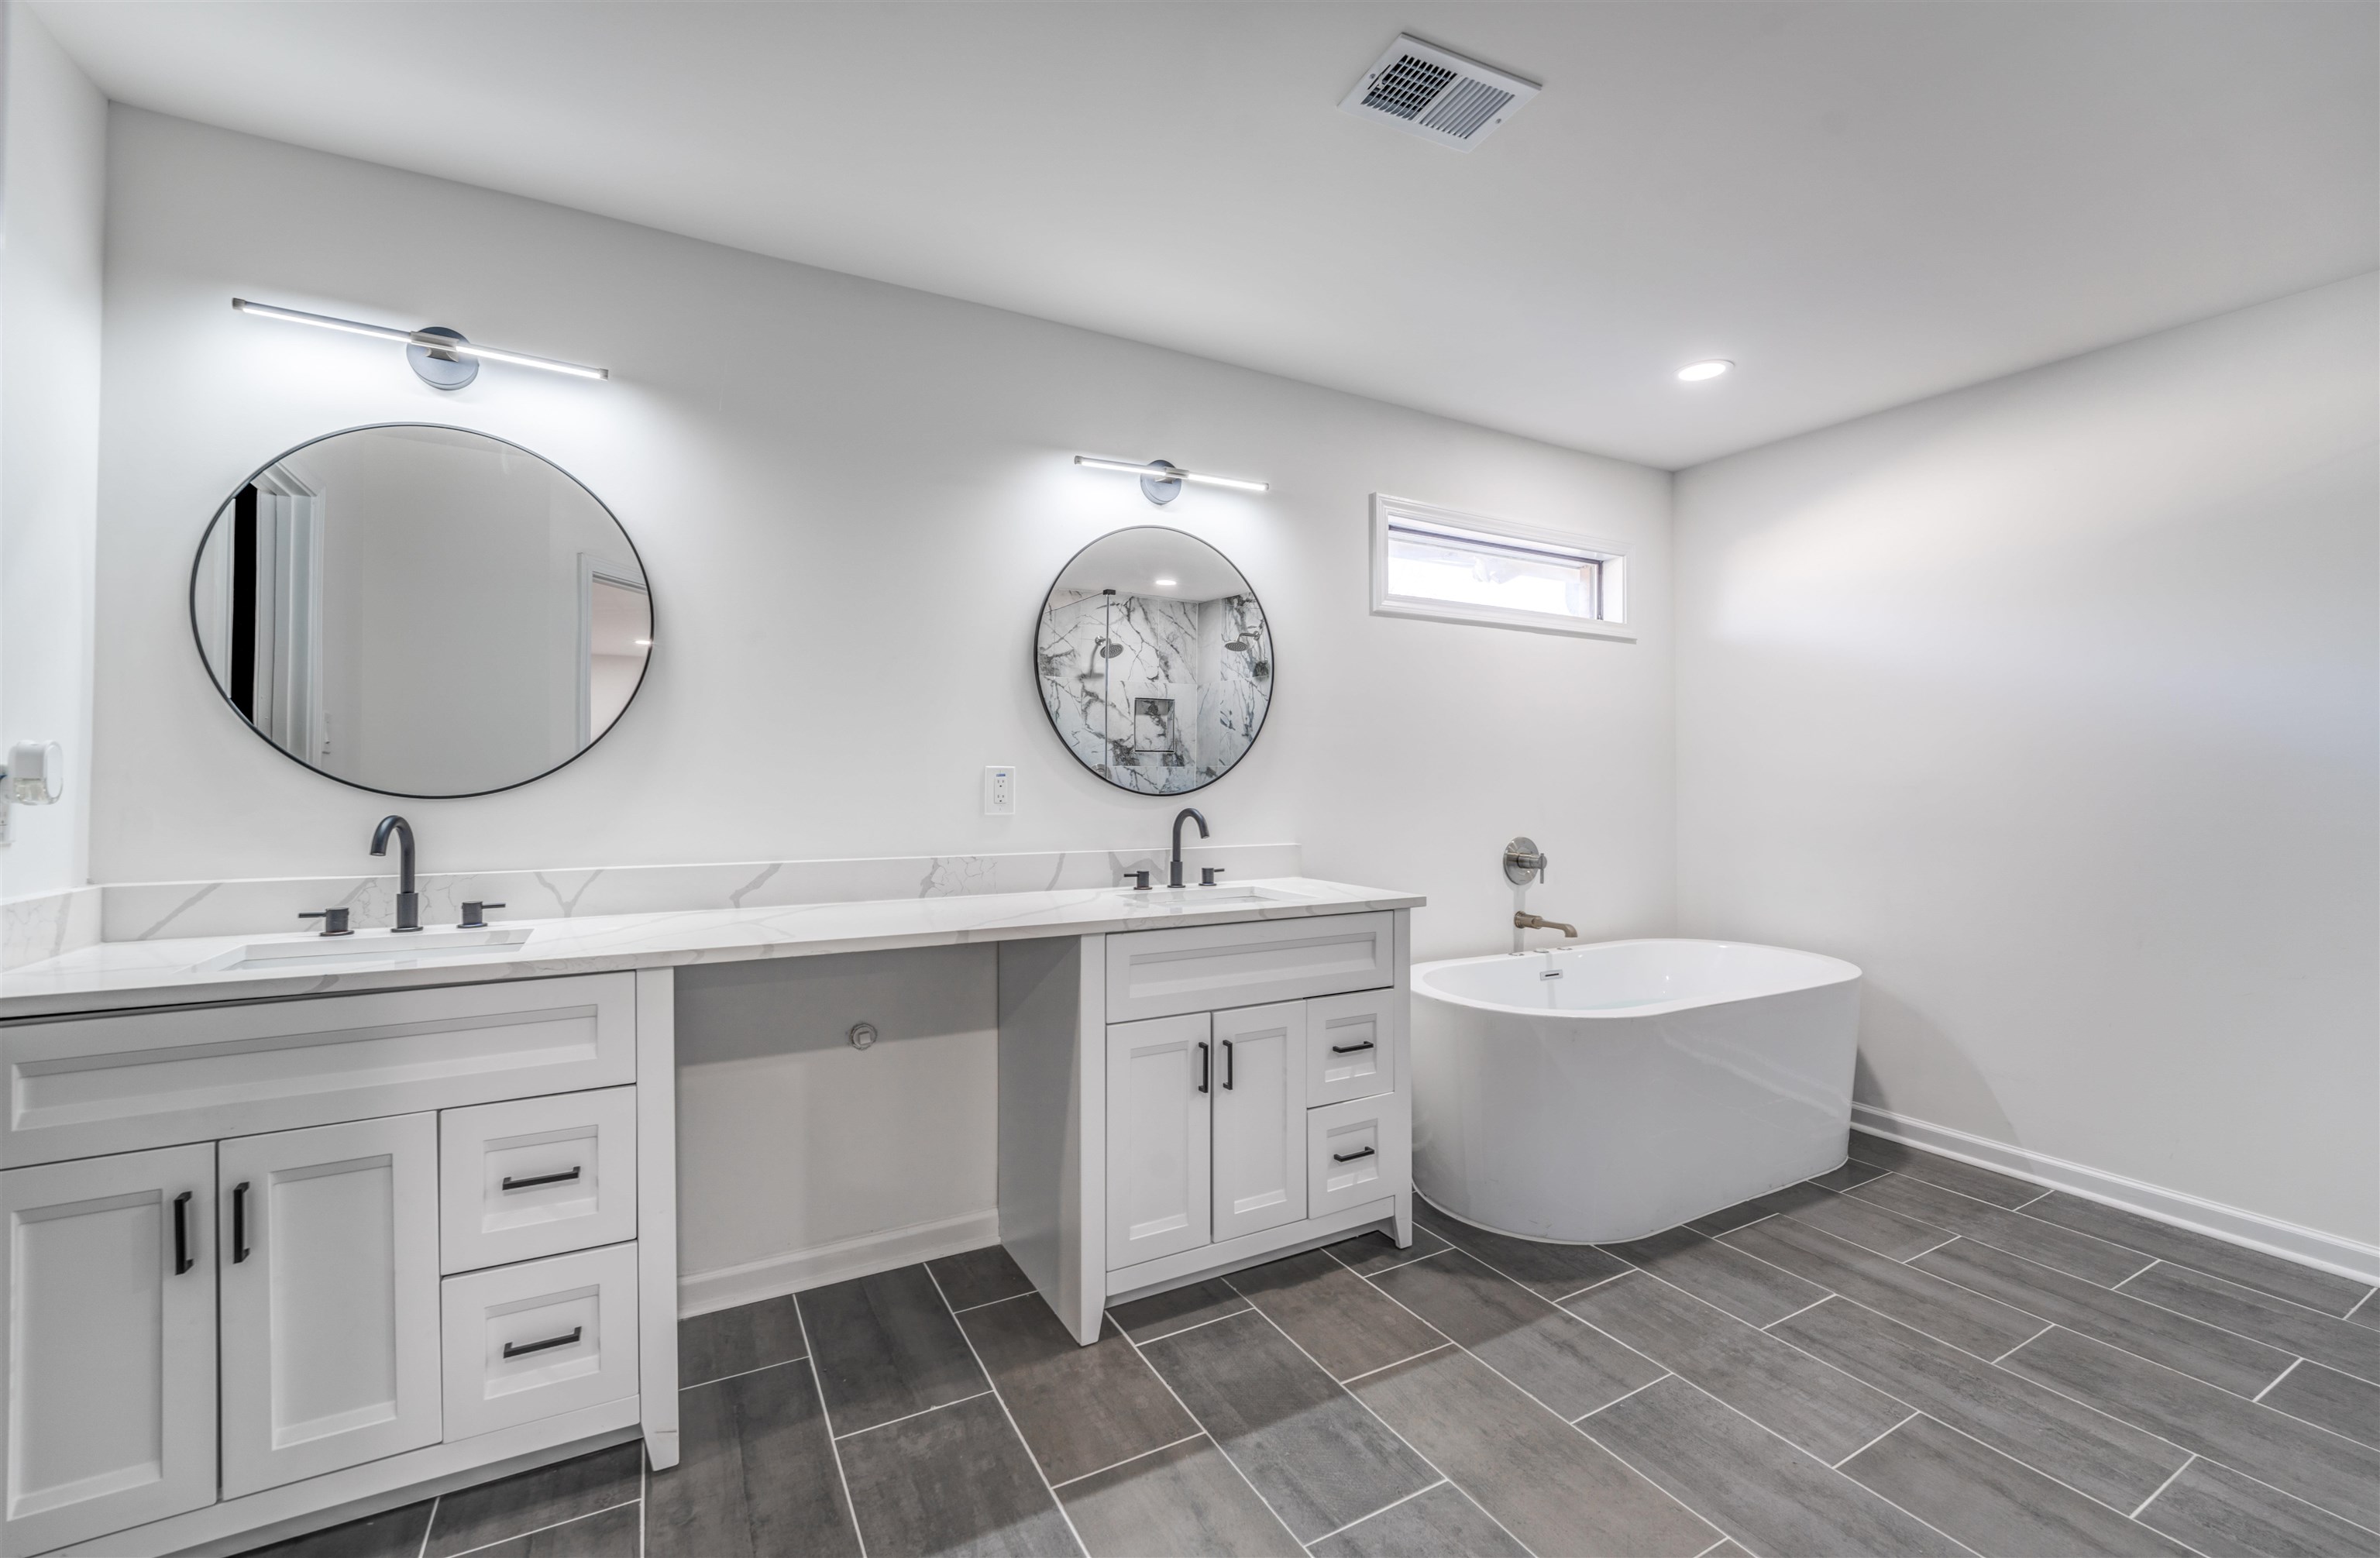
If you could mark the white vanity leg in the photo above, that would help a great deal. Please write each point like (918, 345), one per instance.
(1404, 1041)
(1053, 1123)
(657, 1212)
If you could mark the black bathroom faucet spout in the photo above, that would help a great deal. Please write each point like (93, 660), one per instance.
(408, 901)
(1188, 813)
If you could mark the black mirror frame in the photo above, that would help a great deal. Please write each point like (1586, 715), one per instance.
(1034, 659)
(197, 643)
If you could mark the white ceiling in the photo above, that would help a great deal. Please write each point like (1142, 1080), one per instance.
(1861, 203)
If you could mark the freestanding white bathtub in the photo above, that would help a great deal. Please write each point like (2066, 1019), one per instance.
(1602, 1092)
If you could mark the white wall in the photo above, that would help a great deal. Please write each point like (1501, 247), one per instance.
(2052, 704)
(850, 498)
(54, 187)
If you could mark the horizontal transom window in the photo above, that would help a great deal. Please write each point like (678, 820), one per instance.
(1434, 562)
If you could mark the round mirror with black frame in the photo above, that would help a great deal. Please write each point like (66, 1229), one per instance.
(421, 610)
(1155, 661)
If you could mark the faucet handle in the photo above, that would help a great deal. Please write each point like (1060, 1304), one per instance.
(474, 917)
(1139, 878)
(1206, 875)
(335, 920)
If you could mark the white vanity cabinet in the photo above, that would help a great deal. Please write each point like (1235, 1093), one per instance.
(320, 1254)
(1183, 1102)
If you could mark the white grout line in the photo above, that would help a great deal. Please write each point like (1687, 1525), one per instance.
(1441, 1483)
(1590, 1288)
(550, 1525)
(742, 1373)
(1365, 1407)
(1386, 1366)
(2277, 1379)
(834, 1448)
(423, 1551)
(1128, 1460)
(1410, 1257)
(1871, 1443)
(2359, 1303)
(1803, 1309)
(644, 1493)
(1217, 1443)
(1022, 1443)
(2030, 1200)
(1665, 1374)
(1714, 1547)
(1907, 1259)
(1199, 1325)
(2119, 1286)
(1028, 1293)
(2161, 1487)
(919, 1413)
(2027, 1343)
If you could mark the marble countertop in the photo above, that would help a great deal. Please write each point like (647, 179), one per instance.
(116, 975)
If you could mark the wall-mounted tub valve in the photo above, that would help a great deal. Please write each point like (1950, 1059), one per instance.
(1523, 862)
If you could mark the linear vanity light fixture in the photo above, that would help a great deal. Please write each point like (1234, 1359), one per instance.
(441, 356)
(1161, 481)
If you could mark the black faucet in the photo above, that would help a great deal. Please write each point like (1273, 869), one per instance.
(1188, 813)
(408, 901)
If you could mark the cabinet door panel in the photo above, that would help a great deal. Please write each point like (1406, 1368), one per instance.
(330, 1310)
(1160, 1081)
(110, 1364)
(1259, 1118)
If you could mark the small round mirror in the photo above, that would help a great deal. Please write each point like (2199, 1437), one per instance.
(1155, 661)
(421, 610)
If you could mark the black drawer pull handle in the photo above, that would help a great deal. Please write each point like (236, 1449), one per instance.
(515, 1349)
(1349, 1157)
(1231, 1066)
(239, 1222)
(182, 1261)
(1350, 1049)
(562, 1178)
(1206, 1065)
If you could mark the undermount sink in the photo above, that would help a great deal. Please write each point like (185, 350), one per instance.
(1208, 898)
(385, 949)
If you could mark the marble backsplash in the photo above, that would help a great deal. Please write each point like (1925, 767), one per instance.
(48, 926)
(159, 911)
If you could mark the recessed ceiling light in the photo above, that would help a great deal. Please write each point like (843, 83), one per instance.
(1165, 584)
(1695, 373)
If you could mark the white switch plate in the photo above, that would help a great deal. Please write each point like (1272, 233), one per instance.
(999, 791)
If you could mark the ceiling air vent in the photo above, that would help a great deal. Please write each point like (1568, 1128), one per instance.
(1426, 91)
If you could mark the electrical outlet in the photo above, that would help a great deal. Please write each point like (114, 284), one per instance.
(1000, 791)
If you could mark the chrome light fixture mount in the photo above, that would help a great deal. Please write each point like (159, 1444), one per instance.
(1161, 480)
(441, 370)
(444, 359)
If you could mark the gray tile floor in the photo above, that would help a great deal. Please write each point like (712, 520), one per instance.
(1906, 1356)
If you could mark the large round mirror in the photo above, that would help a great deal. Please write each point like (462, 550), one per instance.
(421, 610)
(1155, 661)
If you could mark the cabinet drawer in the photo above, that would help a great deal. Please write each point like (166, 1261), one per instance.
(1356, 1153)
(1350, 1046)
(77, 1087)
(1203, 967)
(529, 1341)
(536, 1176)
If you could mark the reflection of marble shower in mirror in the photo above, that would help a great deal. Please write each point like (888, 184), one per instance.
(1156, 693)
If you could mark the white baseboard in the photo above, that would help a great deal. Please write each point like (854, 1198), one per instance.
(2290, 1241)
(798, 1270)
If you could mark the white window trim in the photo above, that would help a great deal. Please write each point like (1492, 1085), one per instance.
(1387, 509)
